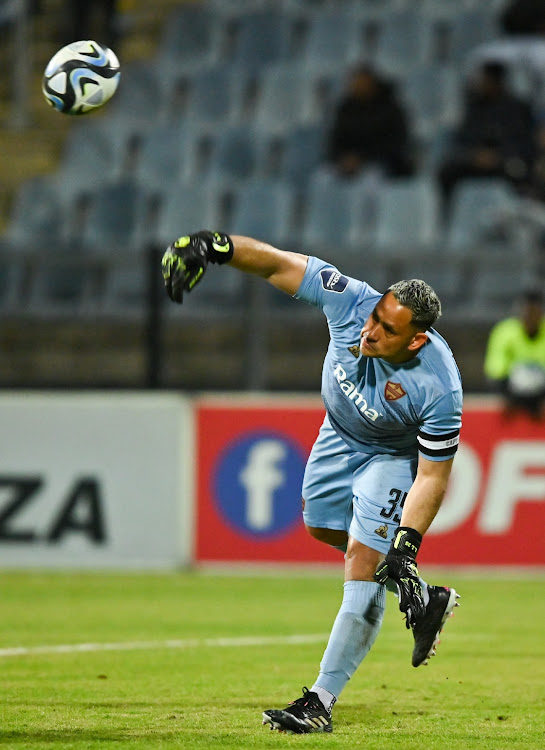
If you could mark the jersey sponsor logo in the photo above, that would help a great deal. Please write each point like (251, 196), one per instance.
(354, 350)
(349, 389)
(333, 280)
(393, 391)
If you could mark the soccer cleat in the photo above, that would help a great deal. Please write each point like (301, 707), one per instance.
(426, 630)
(306, 714)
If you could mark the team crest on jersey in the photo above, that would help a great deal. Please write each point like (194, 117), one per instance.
(354, 350)
(333, 281)
(393, 391)
(382, 531)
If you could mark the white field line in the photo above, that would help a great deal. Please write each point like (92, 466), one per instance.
(241, 642)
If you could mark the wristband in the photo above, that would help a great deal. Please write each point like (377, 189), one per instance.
(219, 245)
(406, 541)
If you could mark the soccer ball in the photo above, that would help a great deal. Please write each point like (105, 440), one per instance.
(81, 77)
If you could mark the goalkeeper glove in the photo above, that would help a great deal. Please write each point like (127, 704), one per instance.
(186, 259)
(399, 565)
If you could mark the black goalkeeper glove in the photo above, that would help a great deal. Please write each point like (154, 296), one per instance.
(399, 566)
(186, 259)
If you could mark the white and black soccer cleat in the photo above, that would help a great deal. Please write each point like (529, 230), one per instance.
(306, 714)
(426, 631)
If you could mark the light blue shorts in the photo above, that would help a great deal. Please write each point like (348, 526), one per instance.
(360, 493)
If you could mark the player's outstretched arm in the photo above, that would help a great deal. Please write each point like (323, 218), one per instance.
(186, 259)
(281, 268)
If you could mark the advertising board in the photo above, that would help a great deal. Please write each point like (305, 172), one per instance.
(94, 480)
(251, 457)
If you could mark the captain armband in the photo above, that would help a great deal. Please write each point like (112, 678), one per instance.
(438, 446)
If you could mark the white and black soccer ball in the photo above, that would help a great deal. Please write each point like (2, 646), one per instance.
(81, 77)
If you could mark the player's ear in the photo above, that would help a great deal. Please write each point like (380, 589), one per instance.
(419, 339)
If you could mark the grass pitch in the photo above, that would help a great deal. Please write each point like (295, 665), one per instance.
(207, 689)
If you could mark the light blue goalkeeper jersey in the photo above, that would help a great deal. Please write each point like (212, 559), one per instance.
(375, 406)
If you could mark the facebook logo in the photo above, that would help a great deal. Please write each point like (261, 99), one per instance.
(257, 483)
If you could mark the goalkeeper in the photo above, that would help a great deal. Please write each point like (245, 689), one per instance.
(378, 471)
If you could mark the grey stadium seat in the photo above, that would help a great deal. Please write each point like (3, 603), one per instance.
(405, 42)
(262, 38)
(476, 212)
(116, 218)
(408, 215)
(287, 97)
(234, 153)
(37, 213)
(187, 208)
(333, 41)
(216, 95)
(263, 209)
(330, 209)
(302, 153)
(432, 96)
(189, 39)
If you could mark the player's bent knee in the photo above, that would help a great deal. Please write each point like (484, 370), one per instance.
(334, 537)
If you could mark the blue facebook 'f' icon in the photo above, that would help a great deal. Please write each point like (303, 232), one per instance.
(257, 483)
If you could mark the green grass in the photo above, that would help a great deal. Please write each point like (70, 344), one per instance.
(486, 688)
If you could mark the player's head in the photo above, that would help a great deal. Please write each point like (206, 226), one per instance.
(396, 329)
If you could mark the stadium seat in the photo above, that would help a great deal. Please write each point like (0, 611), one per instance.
(190, 39)
(408, 216)
(287, 97)
(302, 153)
(63, 285)
(117, 219)
(261, 38)
(164, 154)
(432, 97)
(88, 160)
(37, 213)
(331, 205)
(495, 287)
(468, 29)
(477, 209)
(187, 208)
(140, 100)
(216, 95)
(405, 42)
(334, 41)
(233, 153)
(263, 209)
(447, 275)
(126, 288)
(435, 150)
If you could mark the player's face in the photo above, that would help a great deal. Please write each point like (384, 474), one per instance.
(389, 333)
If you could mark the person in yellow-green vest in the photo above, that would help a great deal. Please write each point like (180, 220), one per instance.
(515, 357)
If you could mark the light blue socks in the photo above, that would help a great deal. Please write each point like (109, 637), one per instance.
(354, 631)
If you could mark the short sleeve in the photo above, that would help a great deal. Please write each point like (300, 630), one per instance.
(439, 434)
(327, 288)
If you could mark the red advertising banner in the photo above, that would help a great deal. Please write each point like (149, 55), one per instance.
(250, 461)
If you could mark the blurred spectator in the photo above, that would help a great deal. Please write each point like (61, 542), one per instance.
(370, 128)
(521, 17)
(496, 136)
(522, 47)
(515, 357)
